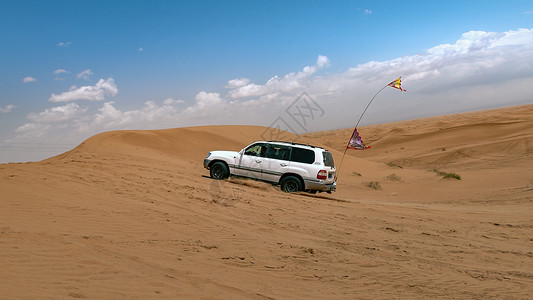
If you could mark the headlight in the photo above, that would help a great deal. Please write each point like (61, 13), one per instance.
(208, 154)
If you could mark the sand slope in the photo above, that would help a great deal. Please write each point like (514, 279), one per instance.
(132, 215)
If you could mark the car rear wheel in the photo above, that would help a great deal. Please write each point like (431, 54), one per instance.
(219, 171)
(291, 184)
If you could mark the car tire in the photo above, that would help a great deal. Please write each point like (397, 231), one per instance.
(291, 184)
(219, 171)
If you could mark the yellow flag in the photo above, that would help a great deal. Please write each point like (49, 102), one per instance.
(397, 84)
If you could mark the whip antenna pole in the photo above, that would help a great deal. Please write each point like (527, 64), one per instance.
(357, 124)
(397, 84)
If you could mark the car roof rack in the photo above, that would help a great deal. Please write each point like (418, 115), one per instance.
(293, 143)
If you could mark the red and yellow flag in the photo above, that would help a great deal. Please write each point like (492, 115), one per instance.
(397, 84)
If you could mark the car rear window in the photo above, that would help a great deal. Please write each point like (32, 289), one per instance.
(302, 155)
(328, 159)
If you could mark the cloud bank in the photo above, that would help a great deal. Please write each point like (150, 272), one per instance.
(480, 70)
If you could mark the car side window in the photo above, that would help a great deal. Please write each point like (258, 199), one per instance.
(256, 150)
(301, 155)
(278, 152)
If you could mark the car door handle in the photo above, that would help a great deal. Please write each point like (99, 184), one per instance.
(258, 160)
(283, 164)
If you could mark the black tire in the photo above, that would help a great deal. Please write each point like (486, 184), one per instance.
(219, 171)
(291, 184)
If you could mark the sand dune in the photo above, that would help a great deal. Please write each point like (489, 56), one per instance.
(502, 135)
(133, 215)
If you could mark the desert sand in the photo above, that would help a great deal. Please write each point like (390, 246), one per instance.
(133, 215)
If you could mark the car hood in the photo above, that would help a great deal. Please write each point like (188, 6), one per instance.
(229, 154)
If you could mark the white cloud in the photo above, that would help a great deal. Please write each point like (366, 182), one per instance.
(95, 92)
(367, 11)
(28, 79)
(238, 82)
(32, 131)
(7, 109)
(60, 71)
(170, 101)
(140, 49)
(150, 116)
(322, 62)
(241, 88)
(521, 37)
(204, 99)
(206, 103)
(110, 116)
(85, 74)
(64, 44)
(58, 114)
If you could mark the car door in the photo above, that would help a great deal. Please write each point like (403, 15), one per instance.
(276, 162)
(250, 163)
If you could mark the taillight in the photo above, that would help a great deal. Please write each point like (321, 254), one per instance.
(322, 174)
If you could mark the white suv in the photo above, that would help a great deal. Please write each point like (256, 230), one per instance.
(295, 167)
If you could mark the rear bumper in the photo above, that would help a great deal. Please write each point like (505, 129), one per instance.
(320, 186)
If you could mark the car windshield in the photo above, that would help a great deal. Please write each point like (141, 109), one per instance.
(328, 159)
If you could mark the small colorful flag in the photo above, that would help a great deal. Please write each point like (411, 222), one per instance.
(397, 84)
(356, 142)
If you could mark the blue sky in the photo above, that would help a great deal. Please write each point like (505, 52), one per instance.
(71, 69)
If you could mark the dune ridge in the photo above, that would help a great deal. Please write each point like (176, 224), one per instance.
(501, 134)
(133, 215)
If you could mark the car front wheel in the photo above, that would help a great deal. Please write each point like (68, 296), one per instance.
(291, 184)
(219, 171)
